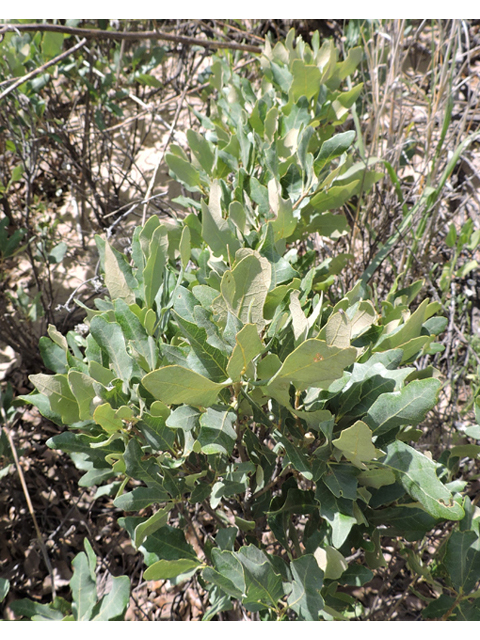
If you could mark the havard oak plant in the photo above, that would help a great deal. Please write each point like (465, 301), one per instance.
(217, 380)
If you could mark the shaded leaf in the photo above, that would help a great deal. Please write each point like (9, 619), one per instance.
(462, 560)
(406, 407)
(305, 597)
(417, 474)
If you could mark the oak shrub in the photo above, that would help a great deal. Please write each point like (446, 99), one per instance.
(223, 377)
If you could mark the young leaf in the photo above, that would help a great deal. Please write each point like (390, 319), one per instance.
(114, 278)
(216, 231)
(248, 346)
(356, 444)
(104, 415)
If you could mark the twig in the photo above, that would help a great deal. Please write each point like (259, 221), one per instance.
(30, 507)
(160, 159)
(42, 68)
(129, 35)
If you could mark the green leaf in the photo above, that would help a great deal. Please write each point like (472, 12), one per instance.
(337, 511)
(406, 332)
(335, 197)
(184, 417)
(417, 474)
(168, 543)
(331, 562)
(58, 392)
(216, 231)
(95, 449)
(84, 392)
(462, 560)
(306, 80)
(141, 344)
(53, 356)
(140, 498)
(341, 479)
(152, 524)
(84, 584)
(35, 611)
(217, 434)
(115, 279)
(296, 457)
(52, 44)
(109, 336)
(451, 237)
(148, 80)
(168, 569)
(312, 364)
(356, 444)
(263, 585)
(305, 598)
(201, 150)
(228, 574)
(155, 265)
(184, 246)
(244, 289)
(174, 384)
(332, 148)
(406, 407)
(329, 225)
(139, 468)
(184, 171)
(439, 607)
(284, 223)
(115, 603)
(214, 362)
(282, 76)
(4, 588)
(411, 523)
(248, 346)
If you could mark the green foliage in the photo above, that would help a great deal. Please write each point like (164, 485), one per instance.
(221, 373)
(9, 243)
(86, 605)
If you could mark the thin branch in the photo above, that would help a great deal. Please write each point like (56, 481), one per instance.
(30, 505)
(42, 68)
(162, 154)
(129, 35)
